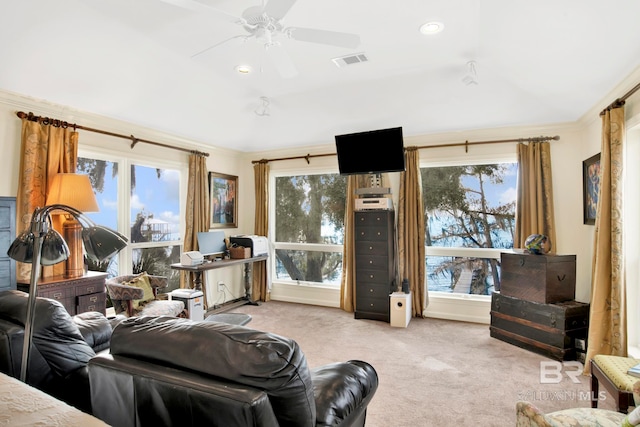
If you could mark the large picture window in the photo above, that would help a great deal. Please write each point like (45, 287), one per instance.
(151, 196)
(309, 228)
(469, 217)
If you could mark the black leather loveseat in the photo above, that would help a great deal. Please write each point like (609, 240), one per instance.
(176, 372)
(61, 346)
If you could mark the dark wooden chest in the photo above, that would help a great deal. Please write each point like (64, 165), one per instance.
(375, 263)
(539, 278)
(547, 329)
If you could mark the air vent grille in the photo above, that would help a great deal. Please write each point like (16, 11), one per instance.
(357, 58)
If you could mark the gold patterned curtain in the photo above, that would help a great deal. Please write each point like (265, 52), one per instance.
(348, 281)
(608, 315)
(46, 149)
(260, 285)
(197, 213)
(411, 231)
(534, 207)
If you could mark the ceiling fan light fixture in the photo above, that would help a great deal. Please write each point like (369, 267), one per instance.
(243, 69)
(431, 27)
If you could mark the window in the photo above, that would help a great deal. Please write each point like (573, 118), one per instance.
(151, 197)
(309, 228)
(469, 217)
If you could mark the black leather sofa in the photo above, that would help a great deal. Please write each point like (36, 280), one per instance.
(176, 372)
(61, 346)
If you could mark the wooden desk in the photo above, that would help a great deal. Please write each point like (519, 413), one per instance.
(78, 295)
(200, 284)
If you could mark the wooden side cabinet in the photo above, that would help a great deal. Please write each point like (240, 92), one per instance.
(78, 295)
(375, 263)
(7, 234)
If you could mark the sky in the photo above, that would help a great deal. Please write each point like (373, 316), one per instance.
(152, 195)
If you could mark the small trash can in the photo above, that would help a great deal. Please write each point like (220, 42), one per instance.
(193, 302)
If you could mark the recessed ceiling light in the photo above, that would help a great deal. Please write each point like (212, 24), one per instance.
(432, 27)
(243, 69)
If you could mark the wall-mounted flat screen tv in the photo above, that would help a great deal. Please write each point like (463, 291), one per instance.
(370, 152)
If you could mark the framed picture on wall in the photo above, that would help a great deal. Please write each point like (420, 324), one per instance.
(223, 200)
(591, 186)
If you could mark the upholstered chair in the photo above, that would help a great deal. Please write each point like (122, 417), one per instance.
(528, 415)
(137, 295)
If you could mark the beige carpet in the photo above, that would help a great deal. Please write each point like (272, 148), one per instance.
(432, 373)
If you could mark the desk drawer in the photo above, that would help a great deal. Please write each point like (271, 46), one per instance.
(93, 287)
(64, 296)
(92, 302)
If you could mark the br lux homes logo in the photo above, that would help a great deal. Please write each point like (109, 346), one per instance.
(553, 372)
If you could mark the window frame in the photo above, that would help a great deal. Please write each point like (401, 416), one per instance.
(322, 247)
(125, 257)
(488, 253)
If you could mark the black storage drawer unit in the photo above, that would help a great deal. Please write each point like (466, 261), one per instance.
(375, 263)
(541, 278)
(547, 329)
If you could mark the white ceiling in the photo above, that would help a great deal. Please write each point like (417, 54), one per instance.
(538, 62)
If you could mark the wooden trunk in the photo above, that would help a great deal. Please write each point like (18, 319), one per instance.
(547, 329)
(539, 278)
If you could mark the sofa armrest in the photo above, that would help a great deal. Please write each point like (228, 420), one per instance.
(342, 392)
(95, 329)
(121, 292)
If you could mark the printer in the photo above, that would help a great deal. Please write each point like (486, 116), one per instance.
(191, 258)
(258, 244)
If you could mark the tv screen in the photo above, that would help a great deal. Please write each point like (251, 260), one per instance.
(370, 152)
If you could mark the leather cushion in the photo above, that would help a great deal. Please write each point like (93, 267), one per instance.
(95, 329)
(55, 336)
(258, 359)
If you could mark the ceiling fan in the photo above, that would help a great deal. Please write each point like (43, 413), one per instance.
(263, 24)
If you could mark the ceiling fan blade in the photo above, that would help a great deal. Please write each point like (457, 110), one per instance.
(196, 6)
(334, 38)
(281, 60)
(218, 44)
(278, 8)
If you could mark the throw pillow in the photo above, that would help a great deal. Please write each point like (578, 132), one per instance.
(142, 281)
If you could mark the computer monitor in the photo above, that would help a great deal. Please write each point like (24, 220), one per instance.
(211, 243)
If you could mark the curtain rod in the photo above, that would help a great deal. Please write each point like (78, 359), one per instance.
(465, 144)
(133, 139)
(620, 101)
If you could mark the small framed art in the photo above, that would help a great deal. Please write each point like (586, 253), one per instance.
(223, 199)
(590, 187)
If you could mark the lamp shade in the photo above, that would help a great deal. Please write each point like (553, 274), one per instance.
(21, 249)
(102, 243)
(73, 190)
(54, 248)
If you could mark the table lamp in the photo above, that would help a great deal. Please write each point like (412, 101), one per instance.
(42, 245)
(72, 190)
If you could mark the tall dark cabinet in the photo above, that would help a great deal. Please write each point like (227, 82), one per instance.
(7, 234)
(375, 263)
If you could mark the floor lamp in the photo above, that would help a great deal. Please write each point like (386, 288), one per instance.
(42, 245)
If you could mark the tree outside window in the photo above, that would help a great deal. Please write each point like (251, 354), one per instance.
(470, 206)
(309, 227)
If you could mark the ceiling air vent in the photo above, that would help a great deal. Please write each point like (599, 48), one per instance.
(343, 61)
